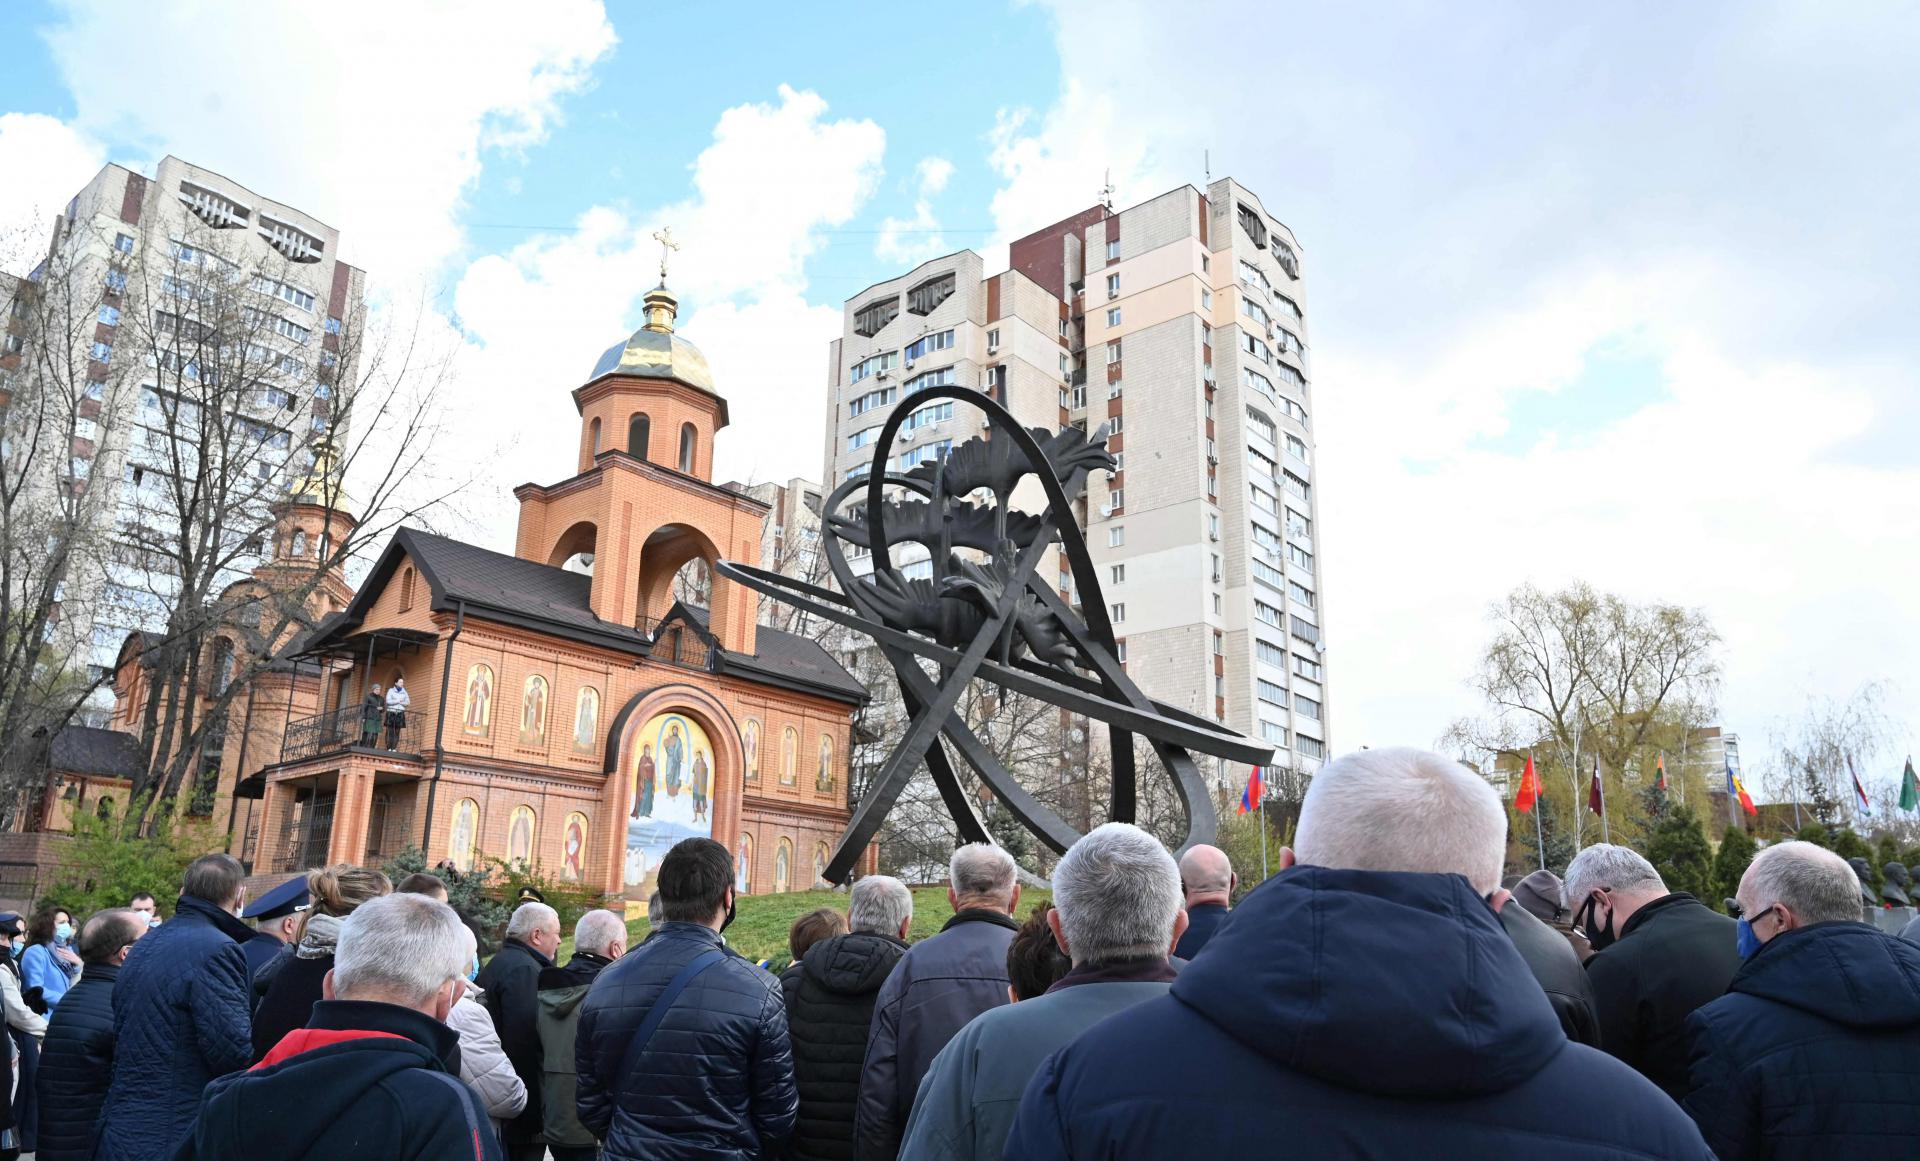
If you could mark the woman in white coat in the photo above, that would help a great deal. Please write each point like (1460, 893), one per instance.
(483, 1062)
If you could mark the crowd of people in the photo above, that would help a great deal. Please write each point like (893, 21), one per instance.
(1385, 994)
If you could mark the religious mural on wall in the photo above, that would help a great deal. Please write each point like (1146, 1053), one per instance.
(743, 865)
(782, 866)
(461, 835)
(586, 717)
(750, 743)
(671, 760)
(478, 712)
(520, 829)
(824, 780)
(789, 754)
(573, 848)
(533, 712)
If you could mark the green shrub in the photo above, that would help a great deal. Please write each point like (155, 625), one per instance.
(1678, 849)
(1729, 863)
(111, 862)
(468, 894)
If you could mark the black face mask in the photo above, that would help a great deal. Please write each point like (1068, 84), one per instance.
(728, 921)
(1596, 939)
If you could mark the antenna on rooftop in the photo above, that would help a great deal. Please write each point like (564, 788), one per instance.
(1206, 164)
(1106, 191)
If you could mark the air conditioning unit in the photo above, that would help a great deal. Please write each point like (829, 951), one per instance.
(909, 364)
(1213, 536)
(1206, 376)
(1112, 294)
(1213, 461)
(880, 374)
(904, 436)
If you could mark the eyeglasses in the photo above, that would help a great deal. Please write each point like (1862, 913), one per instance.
(1738, 912)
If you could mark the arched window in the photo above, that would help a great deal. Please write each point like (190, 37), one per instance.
(639, 429)
(406, 588)
(299, 544)
(687, 440)
(220, 667)
(593, 430)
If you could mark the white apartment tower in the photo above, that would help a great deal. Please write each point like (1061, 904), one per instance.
(1180, 324)
(152, 261)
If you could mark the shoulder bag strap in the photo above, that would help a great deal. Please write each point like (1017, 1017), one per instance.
(465, 1096)
(658, 1012)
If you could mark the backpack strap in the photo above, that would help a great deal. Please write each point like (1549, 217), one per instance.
(464, 1096)
(638, 1045)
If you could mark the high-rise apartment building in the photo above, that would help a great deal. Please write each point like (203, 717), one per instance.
(198, 332)
(1180, 324)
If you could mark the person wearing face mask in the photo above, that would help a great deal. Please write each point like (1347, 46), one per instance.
(1657, 955)
(371, 1075)
(483, 1062)
(76, 1059)
(682, 1046)
(511, 982)
(49, 961)
(1814, 1052)
(145, 906)
(1363, 1002)
(179, 1015)
(26, 1023)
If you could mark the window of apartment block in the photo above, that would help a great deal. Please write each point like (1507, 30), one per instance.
(1306, 668)
(1311, 747)
(1217, 609)
(1115, 423)
(1113, 285)
(123, 243)
(1120, 652)
(1296, 448)
(1113, 389)
(926, 344)
(1117, 612)
(1213, 525)
(1079, 397)
(1265, 573)
(1118, 498)
(1063, 328)
(1113, 249)
(1270, 692)
(923, 298)
(1305, 630)
(1295, 485)
(1274, 732)
(1113, 352)
(1298, 525)
(116, 281)
(1219, 685)
(1119, 572)
(96, 390)
(1213, 485)
(1119, 462)
(1116, 536)
(1270, 653)
(1206, 264)
(14, 345)
(1301, 593)
(1300, 557)
(1306, 707)
(1113, 316)
(101, 352)
(1214, 557)
(1213, 452)
(110, 315)
(1063, 362)
(869, 320)
(1206, 299)
(1267, 614)
(993, 340)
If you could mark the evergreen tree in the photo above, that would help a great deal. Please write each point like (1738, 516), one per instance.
(1816, 834)
(1849, 845)
(1729, 863)
(1679, 850)
(1887, 850)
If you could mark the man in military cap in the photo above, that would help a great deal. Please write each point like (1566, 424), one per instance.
(276, 916)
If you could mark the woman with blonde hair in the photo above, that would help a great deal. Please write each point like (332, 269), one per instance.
(294, 986)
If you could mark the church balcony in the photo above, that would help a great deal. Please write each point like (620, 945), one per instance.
(348, 729)
(676, 646)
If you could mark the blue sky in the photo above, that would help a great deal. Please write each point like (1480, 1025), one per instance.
(1614, 293)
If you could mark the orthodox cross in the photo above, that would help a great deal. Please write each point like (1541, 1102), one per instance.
(664, 236)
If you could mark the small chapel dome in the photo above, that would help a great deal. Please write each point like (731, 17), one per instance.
(655, 351)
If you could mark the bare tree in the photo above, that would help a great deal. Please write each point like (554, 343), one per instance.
(1816, 754)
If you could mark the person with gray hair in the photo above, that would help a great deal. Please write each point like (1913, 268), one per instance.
(1117, 914)
(511, 981)
(1657, 955)
(76, 1055)
(830, 996)
(373, 1073)
(941, 983)
(1365, 1001)
(599, 938)
(1814, 1052)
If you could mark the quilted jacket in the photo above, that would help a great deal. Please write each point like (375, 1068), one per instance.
(716, 1080)
(75, 1061)
(1814, 1052)
(180, 1019)
(830, 997)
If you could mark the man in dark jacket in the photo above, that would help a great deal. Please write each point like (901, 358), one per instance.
(1363, 1002)
(276, 918)
(369, 1076)
(180, 1015)
(830, 996)
(1117, 912)
(511, 981)
(715, 1078)
(1207, 878)
(1814, 1053)
(76, 1058)
(599, 938)
(940, 984)
(1556, 966)
(1657, 955)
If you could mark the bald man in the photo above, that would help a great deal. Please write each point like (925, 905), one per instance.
(1208, 880)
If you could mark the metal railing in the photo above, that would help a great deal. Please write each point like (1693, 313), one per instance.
(347, 728)
(677, 646)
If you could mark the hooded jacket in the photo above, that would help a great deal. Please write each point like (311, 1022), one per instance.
(1348, 1013)
(1814, 1052)
(1673, 955)
(716, 1080)
(293, 988)
(830, 996)
(1556, 965)
(75, 1061)
(179, 1020)
(940, 984)
(561, 992)
(483, 1063)
(361, 1080)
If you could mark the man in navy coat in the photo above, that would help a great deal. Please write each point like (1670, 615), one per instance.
(1363, 1002)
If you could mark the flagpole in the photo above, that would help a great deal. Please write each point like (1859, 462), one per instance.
(1539, 805)
(1606, 831)
(1263, 830)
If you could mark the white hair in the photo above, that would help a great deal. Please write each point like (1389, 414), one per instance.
(1206, 870)
(982, 871)
(1604, 866)
(879, 904)
(1816, 885)
(401, 948)
(1118, 892)
(1403, 809)
(530, 917)
(597, 930)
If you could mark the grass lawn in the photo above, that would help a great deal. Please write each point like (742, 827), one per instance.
(760, 922)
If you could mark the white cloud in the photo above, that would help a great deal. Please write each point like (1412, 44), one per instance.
(371, 116)
(45, 162)
(773, 177)
(1472, 231)
(909, 241)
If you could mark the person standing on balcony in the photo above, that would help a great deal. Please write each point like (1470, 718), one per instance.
(397, 703)
(372, 708)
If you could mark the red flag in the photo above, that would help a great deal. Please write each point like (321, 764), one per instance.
(1660, 764)
(1596, 798)
(1529, 788)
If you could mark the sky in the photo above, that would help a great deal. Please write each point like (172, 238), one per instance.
(1620, 294)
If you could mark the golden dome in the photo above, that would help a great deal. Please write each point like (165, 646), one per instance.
(655, 351)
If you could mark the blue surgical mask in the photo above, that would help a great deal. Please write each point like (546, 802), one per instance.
(63, 932)
(473, 973)
(1749, 943)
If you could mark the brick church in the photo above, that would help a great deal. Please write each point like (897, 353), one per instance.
(567, 709)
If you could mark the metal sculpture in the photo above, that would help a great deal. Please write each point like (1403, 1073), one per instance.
(988, 616)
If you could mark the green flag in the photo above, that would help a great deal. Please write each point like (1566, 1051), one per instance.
(1909, 788)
